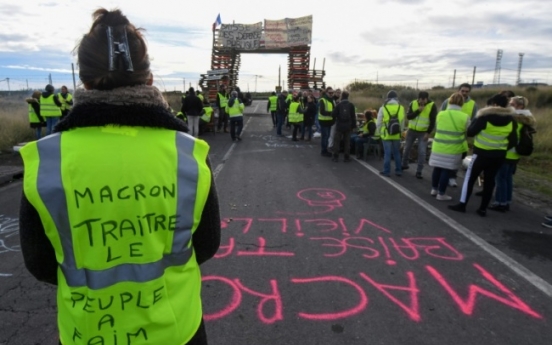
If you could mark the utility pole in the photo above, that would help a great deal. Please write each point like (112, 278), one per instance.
(183, 85)
(454, 79)
(473, 77)
(27, 80)
(417, 84)
(279, 75)
(50, 78)
(74, 81)
(518, 81)
(8, 79)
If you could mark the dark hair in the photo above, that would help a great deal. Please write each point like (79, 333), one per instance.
(465, 85)
(423, 95)
(368, 115)
(498, 99)
(345, 95)
(93, 53)
(49, 88)
(508, 93)
(191, 90)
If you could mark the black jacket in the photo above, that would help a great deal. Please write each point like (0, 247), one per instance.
(344, 125)
(141, 110)
(282, 105)
(496, 116)
(191, 105)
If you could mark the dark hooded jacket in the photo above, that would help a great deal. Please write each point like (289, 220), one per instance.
(496, 116)
(139, 106)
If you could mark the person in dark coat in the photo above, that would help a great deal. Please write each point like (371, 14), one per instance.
(308, 118)
(192, 106)
(345, 122)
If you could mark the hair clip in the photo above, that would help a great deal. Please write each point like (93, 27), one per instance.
(118, 49)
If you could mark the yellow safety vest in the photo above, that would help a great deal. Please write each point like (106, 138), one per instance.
(223, 100)
(493, 137)
(366, 130)
(450, 133)
(122, 237)
(512, 153)
(200, 96)
(208, 112)
(65, 101)
(295, 117)
(421, 122)
(329, 108)
(48, 107)
(273, 104)
(393, 108)
(236, 109)
(33, 117)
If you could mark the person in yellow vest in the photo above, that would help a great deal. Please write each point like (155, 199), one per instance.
(296, 116)
(326, 106)
(35, 120)
(389, 125)
(494, 132)
(206, 116)
(66, 100)
(234, 109)
(366, 134)
(448, 146)
(421, 122)
(289, 98)
(222, 101)
(119, 206)
(504, 178)
(50, 108)
(470, 108)
(271, 107)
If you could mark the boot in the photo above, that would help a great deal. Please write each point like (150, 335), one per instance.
(460, 207)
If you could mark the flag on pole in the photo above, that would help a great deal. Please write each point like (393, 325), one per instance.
(217, 22)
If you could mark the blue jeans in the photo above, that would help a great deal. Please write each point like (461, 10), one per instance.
(411, 137)
(316, 123)
(38, 132)
(51, 122)
(439, 179)
(504, 183)
(392, 147)
(324, 137)
(236, 121)
(281, 118)
(306, 130)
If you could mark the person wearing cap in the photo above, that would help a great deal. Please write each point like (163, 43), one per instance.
(119, 204)
(470, 108)
(50, 108)
(421, 116)
(391, 142)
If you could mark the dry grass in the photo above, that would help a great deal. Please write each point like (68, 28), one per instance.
(14, 122)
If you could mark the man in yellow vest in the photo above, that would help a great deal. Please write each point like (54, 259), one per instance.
(494, 133)
(234, 109)
(50, 108)
(271, 107)
(326, 120)
(66, 100)
(470, 108)
(421, 117)
(390, 124)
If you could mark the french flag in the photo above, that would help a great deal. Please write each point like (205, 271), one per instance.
(217, 22)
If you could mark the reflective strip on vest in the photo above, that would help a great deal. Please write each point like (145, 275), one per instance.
(48, 107)
(273, 102)
(33, 117)
(328, 106)
(498, 140)
(467, 108)
(512, 153)
(421, 122)
(208, 113)
(49, 186)
(294, 116)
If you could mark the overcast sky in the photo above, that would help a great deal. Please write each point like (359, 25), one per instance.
(394, 42)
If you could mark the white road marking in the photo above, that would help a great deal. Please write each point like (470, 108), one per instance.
(519, 269)
(219, 167)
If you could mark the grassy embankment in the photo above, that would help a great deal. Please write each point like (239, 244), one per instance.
(533, 173)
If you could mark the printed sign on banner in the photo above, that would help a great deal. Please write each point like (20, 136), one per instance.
(241, 36)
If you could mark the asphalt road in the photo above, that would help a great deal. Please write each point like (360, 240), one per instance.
(317, 252)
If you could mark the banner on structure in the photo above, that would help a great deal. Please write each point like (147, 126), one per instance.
(241, 36)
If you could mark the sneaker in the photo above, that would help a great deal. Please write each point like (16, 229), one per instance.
(481, 212)
(434, 192)
(547, 224)
(419, 175)
(497, 207)
(316, 135)
(548, 218)
(460, 207)
(443, 197)
(452, 182)
(385, 174)
(398, 174)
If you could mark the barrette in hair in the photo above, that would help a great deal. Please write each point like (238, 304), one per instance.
(119, 50)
